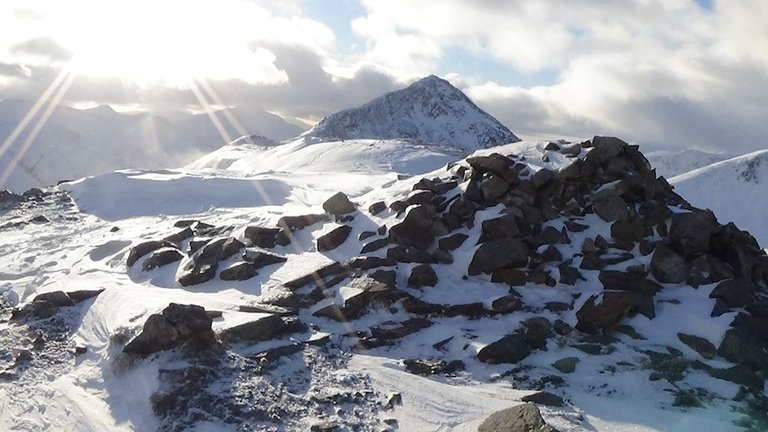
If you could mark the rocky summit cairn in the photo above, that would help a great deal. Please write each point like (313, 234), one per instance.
(574, 252)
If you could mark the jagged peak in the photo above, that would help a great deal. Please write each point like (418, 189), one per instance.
(430, 110)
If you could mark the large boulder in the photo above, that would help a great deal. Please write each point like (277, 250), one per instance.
(626, 281)
(496, 164)
(521, 418)
(261, 236)
(177, 325)
(734, 292)
(509, 349)
(161, 257)
(415, 230)
(47, 304)
(338, 204)
(494, 255)
(422, 275)
(669, 267)
(689, 233)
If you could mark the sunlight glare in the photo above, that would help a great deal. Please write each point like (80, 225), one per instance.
(171, 41)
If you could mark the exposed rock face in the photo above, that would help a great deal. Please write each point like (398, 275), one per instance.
(143, 249)
(177, 325)
(262, 329)
(415, 229)
(47, 304)
(161, 257)
(494, 255)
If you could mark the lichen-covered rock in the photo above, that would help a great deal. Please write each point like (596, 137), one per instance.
(521, 418)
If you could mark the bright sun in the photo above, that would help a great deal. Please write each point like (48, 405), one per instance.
(173, 41)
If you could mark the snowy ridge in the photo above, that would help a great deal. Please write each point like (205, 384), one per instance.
(429, 110)
(735, 189)
(671, 163)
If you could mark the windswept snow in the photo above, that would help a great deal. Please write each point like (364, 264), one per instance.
(669, 163)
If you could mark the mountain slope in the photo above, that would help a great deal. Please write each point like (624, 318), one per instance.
(429, 110)
(76, 143)
(735, 189)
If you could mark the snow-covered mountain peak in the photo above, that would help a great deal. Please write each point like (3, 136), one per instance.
(430, 110)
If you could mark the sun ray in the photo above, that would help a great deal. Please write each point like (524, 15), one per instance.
(209, 111)
(69, 77)
(208, 88)
(65, 71)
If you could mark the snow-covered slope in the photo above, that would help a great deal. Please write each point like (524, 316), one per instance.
(77, 143)
(364, 344)
(669, 163)
(430, 110)
(735, 189)
(405, 157)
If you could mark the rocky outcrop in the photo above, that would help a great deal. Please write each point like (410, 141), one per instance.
(521, 418)
(177, 325)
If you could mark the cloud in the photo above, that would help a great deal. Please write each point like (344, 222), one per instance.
(42, 46)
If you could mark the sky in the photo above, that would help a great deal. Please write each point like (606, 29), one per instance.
(678, 73)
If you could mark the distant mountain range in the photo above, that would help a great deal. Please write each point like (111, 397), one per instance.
(76, 143)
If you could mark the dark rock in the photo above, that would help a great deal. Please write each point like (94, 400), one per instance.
(142, 249)
(506, 304)
(161, 257)
(606, 148)
(566, 365)
(177, 325)
(422, 275)
(180, 236)
(602, 317)
(690, 232)
(494, 188)
(414, 230)
(374, 245)
(739, 374)
(398, 206)
(541, 177)
(521, 418)
(686, 399)
(617, 280)
(405, 328)
(569, 275)
(338, 204)
(462, 209)
(410, 255)
(495, 164)
(333, 239)
(511, 277)
(591, 262)
(470, 310)
(377, 207)
(628, 230)
(262, 237)
(268, 327)
(702, 346)
(734, 292)
(442, 256)
(261, 258)
(499, 228)
(742, 348)
(452, 242)
(562, 328)
(575, 226)
(610, 209)
(499, 254)
(537, 331)
(293, 223)
(202, 265)
(428, 367)
(367, 263)
(239, 272)
(509, 349)
(551, 253)
(669, 267)
(544, 398)
(419, 198)
(366, 235)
